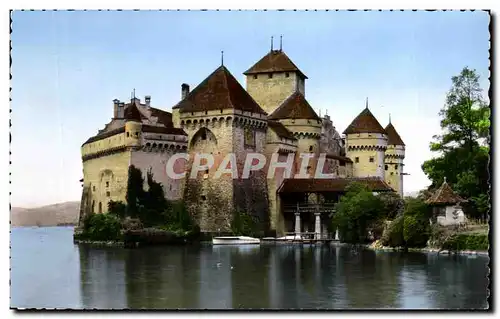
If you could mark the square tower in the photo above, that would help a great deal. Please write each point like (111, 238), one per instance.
(273, 79)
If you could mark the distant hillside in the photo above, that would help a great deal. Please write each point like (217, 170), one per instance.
(51, 215)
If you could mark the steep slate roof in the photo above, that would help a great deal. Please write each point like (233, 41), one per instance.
(280, 130)
(339, 158)
(365, 122)
(164, 117)
(294, 107)
(104, 135)
(274, 61)
(132, 113)
(162, 129)
(393, 137)
(311, 185)
(444, 195)
(220, 90)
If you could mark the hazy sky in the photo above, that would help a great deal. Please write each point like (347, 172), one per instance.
(67, 67)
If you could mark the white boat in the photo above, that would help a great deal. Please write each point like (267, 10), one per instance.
(235, 240)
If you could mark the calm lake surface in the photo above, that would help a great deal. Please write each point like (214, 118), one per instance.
(49, 271)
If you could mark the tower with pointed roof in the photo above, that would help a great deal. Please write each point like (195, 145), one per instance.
(394, 159)
(221, 118)
(273, 79)
(366, 143)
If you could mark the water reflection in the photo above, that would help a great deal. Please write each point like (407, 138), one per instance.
(280, 277)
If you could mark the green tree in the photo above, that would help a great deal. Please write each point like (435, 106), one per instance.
(135, 191)
(463, 151)
(357, 211)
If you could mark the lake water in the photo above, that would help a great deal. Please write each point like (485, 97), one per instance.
(49, 271)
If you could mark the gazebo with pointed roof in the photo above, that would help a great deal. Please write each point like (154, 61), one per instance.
(444, 196)
(446, 206)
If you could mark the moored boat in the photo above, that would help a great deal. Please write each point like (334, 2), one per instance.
(235, 240)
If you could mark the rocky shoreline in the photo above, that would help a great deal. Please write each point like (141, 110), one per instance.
(378, 247)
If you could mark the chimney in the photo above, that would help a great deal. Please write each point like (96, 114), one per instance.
(115, 108)
(121, 110)
(184, 90)
(147, 98)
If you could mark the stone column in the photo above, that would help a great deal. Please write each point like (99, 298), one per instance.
(297, 224)
(317, 225)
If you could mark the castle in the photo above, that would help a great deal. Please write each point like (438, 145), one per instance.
(219, 117)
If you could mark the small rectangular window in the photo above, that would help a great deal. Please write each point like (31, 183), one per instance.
(107, 184)
(396, 166)
(93, 188)
(392, 173)
(310, 148)
(372, 159)
(386, 167)
(287, 75)
(107, 194)
(203, 197)
(356, 159)
(255, 76)
(270, 75)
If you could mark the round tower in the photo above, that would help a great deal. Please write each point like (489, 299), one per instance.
(133, 125)
(366, 143)
(297, 115)
(394, 158)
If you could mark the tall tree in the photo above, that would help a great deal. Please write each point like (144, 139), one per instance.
(135, 191)
(463, 147)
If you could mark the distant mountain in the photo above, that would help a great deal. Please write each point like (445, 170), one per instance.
(51, 215)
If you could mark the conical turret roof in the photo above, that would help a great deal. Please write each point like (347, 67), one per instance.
(220, 90)
(365, 122)
(393, 137)
(274, 61)
(132, 113)
(294, 107)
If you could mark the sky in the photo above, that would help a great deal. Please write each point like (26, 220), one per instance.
(67, 67)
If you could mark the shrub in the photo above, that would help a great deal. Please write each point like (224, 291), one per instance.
(467, 242)
(416, 231)
(101, 227)
(119, 209)
(393, 235)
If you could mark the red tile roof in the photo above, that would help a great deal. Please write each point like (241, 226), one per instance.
(280, 130)
(444, 195)
(294, 107)
(220, 90)
(393, 137)
(365, 122)
(311, 185)
(274, 61)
